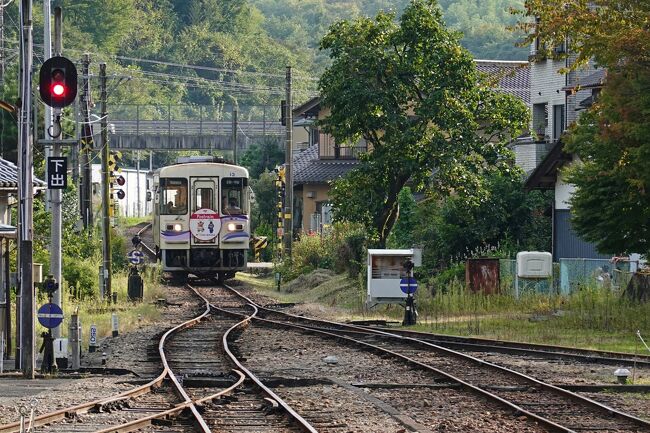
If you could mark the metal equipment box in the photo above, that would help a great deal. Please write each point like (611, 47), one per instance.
(534, 264)
(385, 270)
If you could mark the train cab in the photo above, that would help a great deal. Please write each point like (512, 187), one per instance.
(201, 218)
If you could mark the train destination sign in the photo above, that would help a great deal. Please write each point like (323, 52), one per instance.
(205, 224)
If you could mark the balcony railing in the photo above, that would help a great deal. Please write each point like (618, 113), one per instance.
(328, 149)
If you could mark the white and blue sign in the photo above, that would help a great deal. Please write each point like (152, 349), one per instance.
(408, 285)
(50, 315)
(135, 257)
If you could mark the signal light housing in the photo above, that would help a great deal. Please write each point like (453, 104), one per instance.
(58, 82)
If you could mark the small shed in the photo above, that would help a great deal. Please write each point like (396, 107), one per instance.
(385, 270)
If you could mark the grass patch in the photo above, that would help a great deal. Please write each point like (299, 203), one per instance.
(131, 315)
(592, 318)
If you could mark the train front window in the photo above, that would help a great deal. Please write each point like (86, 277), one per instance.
(174, 196)
(232, 196)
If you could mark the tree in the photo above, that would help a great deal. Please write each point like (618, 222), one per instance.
(262, 156)
(402, 235)
(612, 32)
(266, 198)
(413, 94)
(611, 205)
(508, 220)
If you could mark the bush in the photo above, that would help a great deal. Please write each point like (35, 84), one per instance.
(82, 277)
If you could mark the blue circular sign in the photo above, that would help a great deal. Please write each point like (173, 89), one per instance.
(408, 285)
(50, 315)
(135, 257)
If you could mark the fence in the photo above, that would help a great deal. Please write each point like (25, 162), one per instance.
(569, 275)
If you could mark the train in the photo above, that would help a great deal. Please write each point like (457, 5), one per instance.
(201, 218)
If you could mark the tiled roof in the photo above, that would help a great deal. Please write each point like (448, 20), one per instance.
(307, 168)
(514, 76)
(9, 175)
(591, 81)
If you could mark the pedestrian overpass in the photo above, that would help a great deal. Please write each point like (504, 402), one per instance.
(189, 127)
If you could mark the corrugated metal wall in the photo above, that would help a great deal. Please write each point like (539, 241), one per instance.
(567, 244)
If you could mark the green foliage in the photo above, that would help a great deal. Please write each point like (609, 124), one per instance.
(613, 32)
(414, 95)
(264, 210)
(402, 234)
(81, 277)
(611, 206)
(264, 156)
(301, 23)
(343, 249)
(507, 220)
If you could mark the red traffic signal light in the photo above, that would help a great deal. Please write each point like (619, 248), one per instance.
(58, 82)
(120, 180)
(120, 194)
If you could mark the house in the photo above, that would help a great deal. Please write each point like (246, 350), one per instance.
(8, 193)
(318, 160)
(556, 101)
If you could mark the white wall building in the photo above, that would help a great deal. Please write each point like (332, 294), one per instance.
(135, 203)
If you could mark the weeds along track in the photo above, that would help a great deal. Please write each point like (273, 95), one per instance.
(546, 404)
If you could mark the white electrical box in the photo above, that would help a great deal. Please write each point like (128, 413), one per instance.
(385, 271)
(534, 264)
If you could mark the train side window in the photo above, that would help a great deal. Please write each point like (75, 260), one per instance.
(174, 196)
(203, 198)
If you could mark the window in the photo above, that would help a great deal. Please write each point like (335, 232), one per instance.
(540, 119)
(232, 196)
(174, 196)
(203, 198)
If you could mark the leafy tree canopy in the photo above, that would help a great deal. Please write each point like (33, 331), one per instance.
(412, 93)
(611, 206)
(613, 32)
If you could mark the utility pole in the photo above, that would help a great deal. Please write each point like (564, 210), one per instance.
(137, 183)
(56, 195)
(106, 194)
(47, 112)
(26, 196)
(234, 134)
(288, 206)
(86, 204)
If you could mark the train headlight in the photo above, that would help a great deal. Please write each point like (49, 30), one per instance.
(178, 227)
(234, 227)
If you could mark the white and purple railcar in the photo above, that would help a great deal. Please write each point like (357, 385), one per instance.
(201, 221)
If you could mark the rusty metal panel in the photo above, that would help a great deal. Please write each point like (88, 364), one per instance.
(482, 275)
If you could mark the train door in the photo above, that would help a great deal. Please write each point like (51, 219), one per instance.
(204, 218)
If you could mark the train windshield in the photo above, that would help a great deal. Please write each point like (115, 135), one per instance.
(232, 196)
(174, 196)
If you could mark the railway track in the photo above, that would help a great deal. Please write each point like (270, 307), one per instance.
(240, 401)
(551, 406)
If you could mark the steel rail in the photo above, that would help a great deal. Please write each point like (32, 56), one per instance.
(61, 414)
(553, 388)
(146, 247)
(146, 421)
(507, 346)
(303, 424)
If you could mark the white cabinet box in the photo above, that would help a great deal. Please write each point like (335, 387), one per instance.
(385, 270)
(534, 264)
